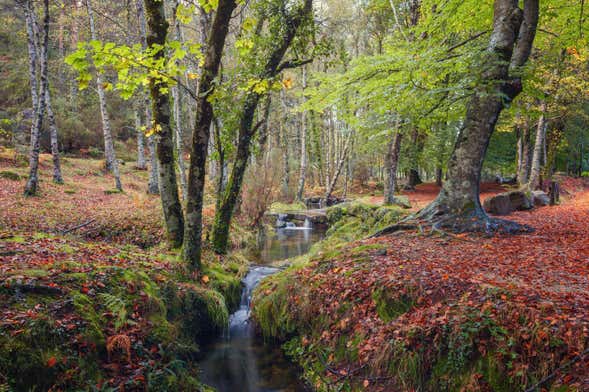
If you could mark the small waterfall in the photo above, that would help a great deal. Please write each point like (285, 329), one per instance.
(308, 224)
(290, 225)
(281, 221)
(239, 320)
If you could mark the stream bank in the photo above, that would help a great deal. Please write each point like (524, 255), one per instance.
(429, 312)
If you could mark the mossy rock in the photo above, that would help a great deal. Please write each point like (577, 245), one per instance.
(10, 175)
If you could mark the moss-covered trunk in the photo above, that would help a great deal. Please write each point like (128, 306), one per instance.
(201, 134)
(247, 129)
(173, 215)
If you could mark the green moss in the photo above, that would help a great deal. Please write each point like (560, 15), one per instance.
(30, 273)
(94, 323)
(389, 306)
(278, 207)
(202, 312)
(9, 175)
(23, 358)
(228, 283)
(271, 309)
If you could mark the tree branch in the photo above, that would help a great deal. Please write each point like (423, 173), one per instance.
(292, 64)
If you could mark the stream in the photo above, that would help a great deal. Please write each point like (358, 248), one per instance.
(239, 361)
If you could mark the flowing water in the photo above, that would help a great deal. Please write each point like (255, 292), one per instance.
(240, 361)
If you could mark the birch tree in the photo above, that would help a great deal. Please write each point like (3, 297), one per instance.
(112, 165)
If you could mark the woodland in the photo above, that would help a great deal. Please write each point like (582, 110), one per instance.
(294, 195)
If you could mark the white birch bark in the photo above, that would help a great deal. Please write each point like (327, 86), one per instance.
(112, 164)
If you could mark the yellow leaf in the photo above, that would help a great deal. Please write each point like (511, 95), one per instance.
(205, 279)
(191, 75)
(287, 83)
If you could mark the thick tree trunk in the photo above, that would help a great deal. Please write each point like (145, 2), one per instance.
(534, 180)
(247, 129)
(303, 166)
(38, 101)
(201, 133)
(392, 162)
(458, 205)
(173, 215)
(112, 165)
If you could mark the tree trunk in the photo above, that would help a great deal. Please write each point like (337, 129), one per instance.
(177, 97)
(392, 162)
(525, 152)
(458, 205)
(534, 180)
(303, 170)
(338, 169)
(112, 164)
(201, 133)
(141, 164)
(247, 129)
(38, 101)
(57, 178)
(414, 178)
(173, 215)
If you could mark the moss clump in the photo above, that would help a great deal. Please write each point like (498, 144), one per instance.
(278, 207)
(203, 312)
(25, 356)
(94, 323)
(9, 175)
(271, 310)
(389, 305)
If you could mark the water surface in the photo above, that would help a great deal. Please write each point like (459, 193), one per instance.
(239, 361)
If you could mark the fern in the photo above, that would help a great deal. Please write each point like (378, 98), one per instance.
(117, 307)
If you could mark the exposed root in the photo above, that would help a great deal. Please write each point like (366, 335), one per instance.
(441, 220)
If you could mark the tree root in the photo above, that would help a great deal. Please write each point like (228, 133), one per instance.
(445, 222)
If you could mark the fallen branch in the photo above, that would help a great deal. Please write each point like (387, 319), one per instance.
(392, 229)
(553, 374)
(78, 226)
(33, 288)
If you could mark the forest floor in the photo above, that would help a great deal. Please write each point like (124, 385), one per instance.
(90, 296)
(421, 311)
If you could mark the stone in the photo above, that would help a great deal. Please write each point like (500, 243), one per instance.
(520, 201)
(540, 198)
(498, 205)
(506, 203)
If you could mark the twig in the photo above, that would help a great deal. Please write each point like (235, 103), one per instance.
(445, 233)
(78, 226)
(392, 229)
(553, 374)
